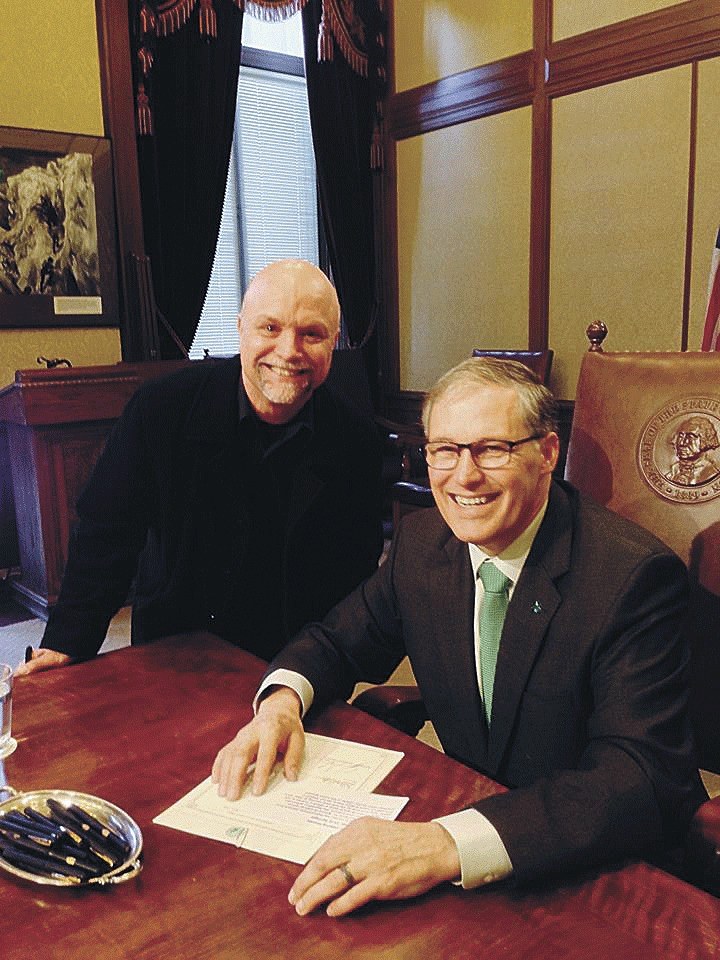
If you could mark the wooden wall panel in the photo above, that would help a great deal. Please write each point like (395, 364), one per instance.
(706, 221)
(463, 243)
(434, 39)
(575, 47)
(618, 217)
(576, 16)
(657, 41)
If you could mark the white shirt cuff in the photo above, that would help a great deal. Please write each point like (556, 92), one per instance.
(483, 857)
(287, 678)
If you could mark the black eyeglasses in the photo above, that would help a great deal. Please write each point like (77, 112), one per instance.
(486, 454)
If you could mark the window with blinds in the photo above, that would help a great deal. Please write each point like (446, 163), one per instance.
(270, 210)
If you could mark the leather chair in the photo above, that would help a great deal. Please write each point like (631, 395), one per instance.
(412, 490)
(645, 442)
(630, 449)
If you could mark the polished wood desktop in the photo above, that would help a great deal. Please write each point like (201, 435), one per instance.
(141, 726)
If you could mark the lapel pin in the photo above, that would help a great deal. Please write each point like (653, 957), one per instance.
(536, 608)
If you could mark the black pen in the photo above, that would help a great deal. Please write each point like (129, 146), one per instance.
(28, 654)
(10, 831)
(64, 843)
(83, 824)
(39, 818)
(43, 867)
(59, 842)
(64, 817)
(95, 827)
(14, 820)
(23, 846)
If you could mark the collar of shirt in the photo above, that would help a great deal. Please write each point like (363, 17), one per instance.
(512, 559)
(280, 434)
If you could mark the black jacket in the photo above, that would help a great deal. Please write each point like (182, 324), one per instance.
(589, 716)
(176, 502)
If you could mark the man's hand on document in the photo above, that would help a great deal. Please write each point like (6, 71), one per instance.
(374, 859)
(276, 729)
(370, 859)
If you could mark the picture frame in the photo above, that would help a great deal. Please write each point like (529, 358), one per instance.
(58, 241)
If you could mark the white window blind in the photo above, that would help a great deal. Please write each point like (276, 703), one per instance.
(276, 170)
(217, 330)
(270, 209)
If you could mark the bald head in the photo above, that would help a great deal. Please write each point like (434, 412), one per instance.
(298, 278)
(288, 324)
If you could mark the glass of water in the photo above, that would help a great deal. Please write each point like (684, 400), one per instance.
(7, 744)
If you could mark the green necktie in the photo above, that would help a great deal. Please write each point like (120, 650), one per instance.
(492, 616)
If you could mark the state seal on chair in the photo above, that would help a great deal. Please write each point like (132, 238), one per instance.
(679, 450)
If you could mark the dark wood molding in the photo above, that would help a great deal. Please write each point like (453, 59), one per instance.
(478, 92)
(540, 185)
(690, 217)
(667, 38)
(119, 118)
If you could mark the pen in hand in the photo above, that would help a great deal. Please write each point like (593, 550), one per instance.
(28, 654)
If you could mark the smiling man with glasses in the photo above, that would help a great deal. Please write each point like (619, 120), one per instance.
(490, 458)
(545, 633)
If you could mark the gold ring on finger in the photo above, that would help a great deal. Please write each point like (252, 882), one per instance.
(345, 871)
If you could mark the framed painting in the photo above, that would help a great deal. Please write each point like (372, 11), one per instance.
(58, 245)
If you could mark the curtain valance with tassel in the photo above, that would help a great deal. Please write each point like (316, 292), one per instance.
(354, 27)
(191, 49)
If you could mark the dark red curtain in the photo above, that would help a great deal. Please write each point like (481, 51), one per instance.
(186, 85)
(183, 165)
(342, 118)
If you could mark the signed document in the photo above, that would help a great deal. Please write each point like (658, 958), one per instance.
(292, 820)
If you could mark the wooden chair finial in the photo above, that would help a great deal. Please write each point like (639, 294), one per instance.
(596, 333)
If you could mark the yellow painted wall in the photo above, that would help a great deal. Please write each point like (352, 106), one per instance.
(618, 218)
(435, 38)
(50, 80)
(619, 189)
(463, 243)
(49, 71)
(577, 16)
(707, 194)
(82, 346)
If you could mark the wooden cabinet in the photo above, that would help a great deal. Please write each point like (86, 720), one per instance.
(56, 423)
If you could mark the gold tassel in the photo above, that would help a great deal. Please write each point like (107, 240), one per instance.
(326, 51)
(145, 57)
(148, 22)
(335, 27)
(144, 113)
(268, 11)
(173, 14)
(208, 19)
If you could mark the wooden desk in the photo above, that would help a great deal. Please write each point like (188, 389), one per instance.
(141, 726)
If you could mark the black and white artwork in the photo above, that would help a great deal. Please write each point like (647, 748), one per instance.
(48, 224)
(57, 230)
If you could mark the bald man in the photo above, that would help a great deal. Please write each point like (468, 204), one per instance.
(240, 497)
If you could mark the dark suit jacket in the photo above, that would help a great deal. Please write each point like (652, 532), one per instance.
(168, 504)
(589, 718)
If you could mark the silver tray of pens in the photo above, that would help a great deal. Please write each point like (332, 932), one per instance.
(65, 838)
